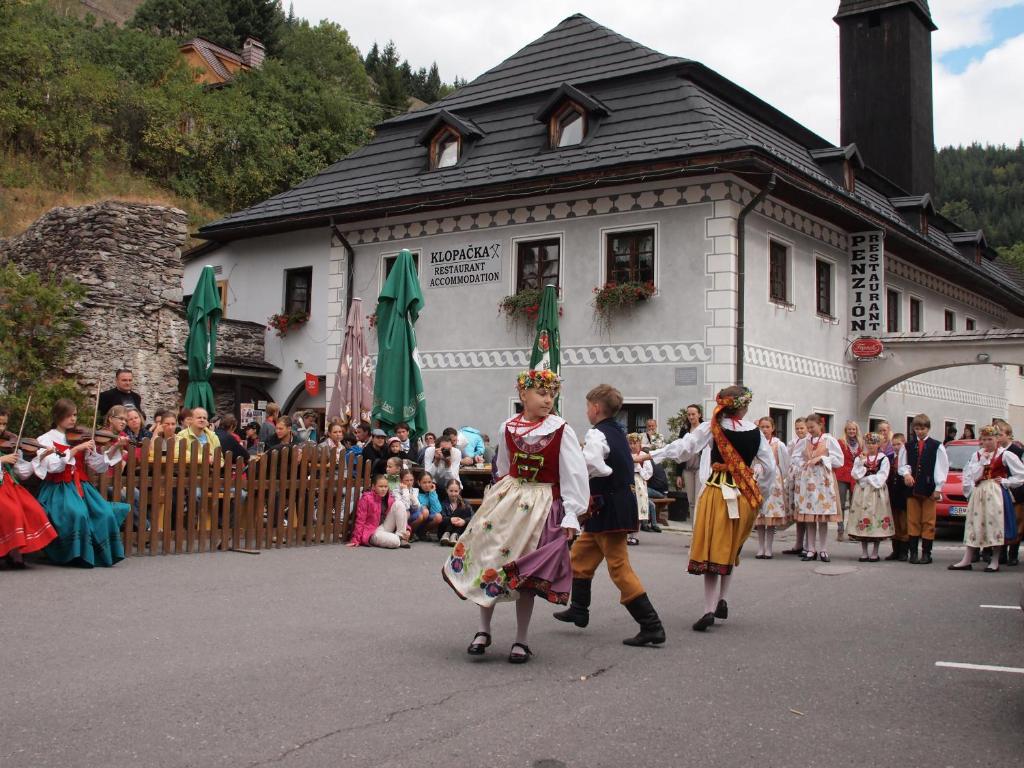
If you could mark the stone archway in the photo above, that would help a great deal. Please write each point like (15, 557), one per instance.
(911, 354)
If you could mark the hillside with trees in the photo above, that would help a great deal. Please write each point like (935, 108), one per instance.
(95, 109)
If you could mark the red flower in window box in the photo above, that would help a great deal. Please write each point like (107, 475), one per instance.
(524, 305)
(284, 322)
(613, 297)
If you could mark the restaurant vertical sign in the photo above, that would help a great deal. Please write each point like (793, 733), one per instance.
(867, 283)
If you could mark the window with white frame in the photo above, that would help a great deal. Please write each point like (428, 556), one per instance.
(538, 263)
(949, 320)
(970, 324)
(778, 272)
(916, 315)
(824, 300)
(893, 315)
(634, 416)
(630, 256)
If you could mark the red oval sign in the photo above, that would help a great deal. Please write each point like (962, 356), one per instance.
(867, 348)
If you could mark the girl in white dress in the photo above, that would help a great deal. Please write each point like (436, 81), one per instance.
(870, 515)
(990, 471)
(816, 497)
(776, 509)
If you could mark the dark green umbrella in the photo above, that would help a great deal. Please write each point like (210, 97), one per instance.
(546, 353)
(398, 385)
(203, 315)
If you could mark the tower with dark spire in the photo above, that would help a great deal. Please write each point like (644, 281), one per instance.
(885, 74)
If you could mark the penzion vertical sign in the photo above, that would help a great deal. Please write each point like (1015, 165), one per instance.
(867, 283)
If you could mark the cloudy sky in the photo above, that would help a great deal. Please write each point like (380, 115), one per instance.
(784, 51)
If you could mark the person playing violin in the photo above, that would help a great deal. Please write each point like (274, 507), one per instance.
(88, 526)
(24, 526)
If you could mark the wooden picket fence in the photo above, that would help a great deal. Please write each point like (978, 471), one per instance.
(192, 501)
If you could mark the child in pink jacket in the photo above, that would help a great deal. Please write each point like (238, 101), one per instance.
(381, 519)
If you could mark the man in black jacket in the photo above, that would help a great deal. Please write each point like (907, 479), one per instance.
(121, 394)
(612, 516)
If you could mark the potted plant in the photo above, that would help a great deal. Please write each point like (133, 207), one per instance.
(523, 305)
(284, 322)
(615, 297)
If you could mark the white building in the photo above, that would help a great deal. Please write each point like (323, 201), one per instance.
(586, 158)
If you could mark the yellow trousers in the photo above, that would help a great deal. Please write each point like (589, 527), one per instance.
(591, 548)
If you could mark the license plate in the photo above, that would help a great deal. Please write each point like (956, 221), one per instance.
(958, 511)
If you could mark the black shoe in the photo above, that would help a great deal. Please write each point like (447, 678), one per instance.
(477, 649)
(759, 557)
(655, 528)
(823, 556)
(651, 630)
(519, 658)
(578, 612)
(722, 610)
(645, 527)
(895, 554)
(705, 621)
(912, 549)
(955, 567)
(632, 540)
(808, 557)
(793, 551)
(864, 559)
(1013, 554)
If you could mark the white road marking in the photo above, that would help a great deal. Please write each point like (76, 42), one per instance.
(980, 667)
(1004, 607)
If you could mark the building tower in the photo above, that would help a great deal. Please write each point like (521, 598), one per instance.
(885, 74)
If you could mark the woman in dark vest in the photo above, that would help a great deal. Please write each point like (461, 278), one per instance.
(731, 497)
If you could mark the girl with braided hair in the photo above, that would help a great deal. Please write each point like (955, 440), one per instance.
(731, 497)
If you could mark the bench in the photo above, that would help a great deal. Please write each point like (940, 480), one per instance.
(661, 509)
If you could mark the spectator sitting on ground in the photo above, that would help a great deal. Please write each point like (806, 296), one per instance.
(122, 393)
(198, 433)
(393, 472)
(442, 461)
(455, 513)
(381, 520)
(470, 443)
(429, 499)
(252, 435)
(376, 451)
(429, 440)
(229, 439)
(267, 431)
(409, 495)
(135, 426)
(184, 419)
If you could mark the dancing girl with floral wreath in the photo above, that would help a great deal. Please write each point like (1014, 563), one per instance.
(514, 548)
(731, 497)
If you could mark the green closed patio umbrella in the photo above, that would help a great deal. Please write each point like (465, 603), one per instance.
(203, 315)
(398, 386)
(546, 353)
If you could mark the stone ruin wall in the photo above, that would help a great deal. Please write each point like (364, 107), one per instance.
(127, 255)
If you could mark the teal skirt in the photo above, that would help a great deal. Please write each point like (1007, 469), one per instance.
(88, 526)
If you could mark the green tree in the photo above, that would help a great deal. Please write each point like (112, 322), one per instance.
(38, 323)
(262, 19)
(185, 19)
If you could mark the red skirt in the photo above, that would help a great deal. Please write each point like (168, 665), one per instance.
(23, 523)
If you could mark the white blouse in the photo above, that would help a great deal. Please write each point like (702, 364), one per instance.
(57, 462)
(979, 460)
(833, 459)
(21, 469)
(860, 471)
(700, 440)
(573, 479)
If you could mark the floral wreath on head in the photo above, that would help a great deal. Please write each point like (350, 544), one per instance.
(873, 438)
(539, 379)
(735, 402)
(988, 431)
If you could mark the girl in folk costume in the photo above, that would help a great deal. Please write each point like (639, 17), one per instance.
(989, 474)
(870, 518)
(515, 546)
(731, 497)
(775, 510)
(642, 472)
(88, 526)
(816, 495)
(24, 526)
(852, 446)
(800, 432)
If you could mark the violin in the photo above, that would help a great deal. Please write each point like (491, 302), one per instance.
(27, 444)
(76, 435)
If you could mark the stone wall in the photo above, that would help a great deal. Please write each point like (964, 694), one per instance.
(128, 257)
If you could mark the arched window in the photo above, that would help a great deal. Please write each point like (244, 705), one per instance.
(445, 148)
(568, 126)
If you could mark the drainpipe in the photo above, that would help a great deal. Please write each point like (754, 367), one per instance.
(741, 270)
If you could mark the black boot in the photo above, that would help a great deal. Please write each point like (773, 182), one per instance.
(897, 550)
(926, 552)
(912, 549)
(578, 611)
(651, 631)
(1013, 554)
(1003, 557)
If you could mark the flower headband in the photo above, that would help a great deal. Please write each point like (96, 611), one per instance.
(873, 438)
(988, 431)
(736, 401)
(539, 379)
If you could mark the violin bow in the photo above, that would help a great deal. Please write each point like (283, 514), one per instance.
(24, 418)
(95, 413)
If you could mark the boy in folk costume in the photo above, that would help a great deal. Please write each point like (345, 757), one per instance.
(515, 546)
(731, 497)
(870, 515)
(613, 517)
(991, 471)
(923, 465)
(816, 493)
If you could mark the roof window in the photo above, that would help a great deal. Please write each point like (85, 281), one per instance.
(568, 126)
(444, 149)
(448, 138)
(571, 116)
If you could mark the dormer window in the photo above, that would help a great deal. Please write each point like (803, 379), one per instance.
(444, 149)
(568, 126)
(448, 139)
(571, 116)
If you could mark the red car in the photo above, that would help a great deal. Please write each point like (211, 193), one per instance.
(951, 509)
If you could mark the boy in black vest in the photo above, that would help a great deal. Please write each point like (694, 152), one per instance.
(612, 516)
(923, 465)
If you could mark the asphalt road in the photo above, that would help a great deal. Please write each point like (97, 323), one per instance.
(326, 656)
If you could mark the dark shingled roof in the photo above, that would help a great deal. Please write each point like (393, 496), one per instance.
(854, 7)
